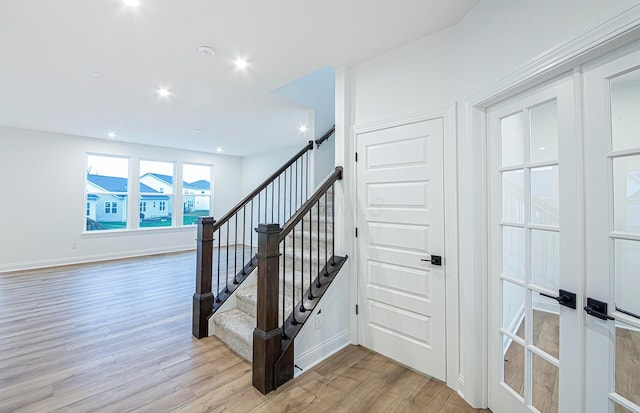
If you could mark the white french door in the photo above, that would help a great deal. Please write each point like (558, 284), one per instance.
(565, 218)
(534, 228)
(612, 193)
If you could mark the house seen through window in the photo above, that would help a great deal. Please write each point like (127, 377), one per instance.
(196, 192)
(107, 188)
(156, 192)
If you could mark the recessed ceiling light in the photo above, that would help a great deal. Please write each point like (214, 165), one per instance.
(241, 63)
(199, 130)
(163, 92)
(218, 149)
(132, 3)
(111, 134)
(303, 128)
(207, 50)
(542, 148)
(96, 75)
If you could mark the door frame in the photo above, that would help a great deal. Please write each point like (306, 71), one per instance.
(450, 198)
(473, 183)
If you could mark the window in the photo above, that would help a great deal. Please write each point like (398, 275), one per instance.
(110, 207)
(196, 189)
(107, 189)
(156, 187)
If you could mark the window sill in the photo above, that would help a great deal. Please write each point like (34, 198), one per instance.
(134, 232)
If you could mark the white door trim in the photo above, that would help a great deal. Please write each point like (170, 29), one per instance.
(472, 196)
(447, 114)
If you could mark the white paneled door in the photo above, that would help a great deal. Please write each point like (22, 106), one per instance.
(401, 282)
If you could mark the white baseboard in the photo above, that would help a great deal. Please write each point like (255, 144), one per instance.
(83, 259)
(321, 352)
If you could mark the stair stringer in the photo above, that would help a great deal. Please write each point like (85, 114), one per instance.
(314, 345)
(284, 365)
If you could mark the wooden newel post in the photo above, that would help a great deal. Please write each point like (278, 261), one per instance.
(267, 337)
(203, 298)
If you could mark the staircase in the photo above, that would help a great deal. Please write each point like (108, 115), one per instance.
(256, 300)
(235, 326)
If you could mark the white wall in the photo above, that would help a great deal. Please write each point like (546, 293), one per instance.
(327, 329)
(256, 168)
(325, 161)
(45, 172)
(496, 38)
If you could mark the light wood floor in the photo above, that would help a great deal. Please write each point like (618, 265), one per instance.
(116, 337)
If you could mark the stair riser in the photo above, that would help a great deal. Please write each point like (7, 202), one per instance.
(247, 302)
(314, 236)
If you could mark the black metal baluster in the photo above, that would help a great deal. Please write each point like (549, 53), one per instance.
(259, 207)
(290, 191)
(219, 241)
(306, 180)
(226, 285)
(296, 198)
(310, 254)
(326, 236)
(272, 200)
(293, 284)
(244, 234)
(302, 309)
(318, 284)
(284, 284)
(251, 230)
(333, 224)
(279, 221)
(235, 252)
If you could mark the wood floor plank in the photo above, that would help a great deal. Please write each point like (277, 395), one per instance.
(116, 337)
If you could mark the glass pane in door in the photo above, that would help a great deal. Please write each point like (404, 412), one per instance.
(625, 111)
(513, 252)
(512, 140)
(628, 362)
(627, 276)
(513, 308)
(546, 324)
(626, 192)
(513, 366)
(545, 259)
(513, 196)
(622, 409)
(545, 195)
(544, 132)
(544, 385)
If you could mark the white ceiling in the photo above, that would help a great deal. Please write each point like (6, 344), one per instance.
(50, 48)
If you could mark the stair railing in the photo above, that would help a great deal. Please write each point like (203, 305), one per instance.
(326, 136)
(226, 248)
(296, 264)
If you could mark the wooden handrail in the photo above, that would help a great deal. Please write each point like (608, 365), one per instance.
(263, 185)
(306, 207)
(326, 136)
